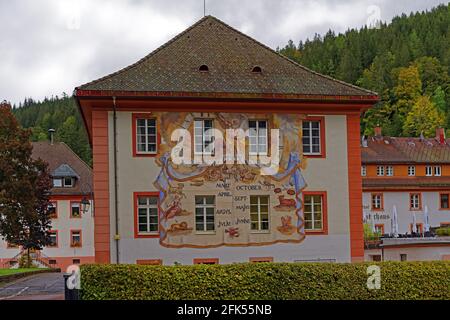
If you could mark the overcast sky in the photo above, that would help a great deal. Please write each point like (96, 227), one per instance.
(50, 46)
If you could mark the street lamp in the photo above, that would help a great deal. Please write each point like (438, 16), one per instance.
(85, 205)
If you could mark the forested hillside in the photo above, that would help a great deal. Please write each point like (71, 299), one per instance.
(59, 113)
(406, 62)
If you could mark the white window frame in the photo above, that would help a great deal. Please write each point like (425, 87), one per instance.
(411, 171)
(147, 135)
(310, 142)
(313, 212)
(67, 185)
(72, 234)
(389, 171)
(148, 206)
(437, 171)
(363, 171)
(60, 183)
(203, 206)
(258, 137)
(428, 171)
(53, 234)
(75, 204)
(380, 171)
(259, 214)
(379, 228)
(414, 201)
(377, 201)
(205, 142)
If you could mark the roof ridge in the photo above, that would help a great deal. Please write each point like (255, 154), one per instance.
(147, 56)
(292, 61)
(73, 152)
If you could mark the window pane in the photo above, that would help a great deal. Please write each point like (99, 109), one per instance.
(57, 182)
(75, 209)
(208, 124)
(264, 200)
(210, 212)
(210, 200)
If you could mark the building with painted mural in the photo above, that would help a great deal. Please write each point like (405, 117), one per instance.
(72, 230)
(406, 193)
(169, 185)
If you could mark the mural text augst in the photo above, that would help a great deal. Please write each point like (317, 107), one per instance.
(218, 189)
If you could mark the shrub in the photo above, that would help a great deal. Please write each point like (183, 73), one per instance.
(300, 281)
(443, 231)
(25, 261)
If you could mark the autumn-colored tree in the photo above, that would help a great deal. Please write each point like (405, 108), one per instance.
(24, 187)
(423, 118)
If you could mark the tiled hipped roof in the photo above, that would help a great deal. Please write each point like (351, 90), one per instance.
(381, 150)
(394, 150)
(59, 154)
(230, 56)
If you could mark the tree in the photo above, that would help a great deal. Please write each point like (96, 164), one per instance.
(378, 76)
(407, 90)
(423, 118)
(432, 74)
(24, 187)
(438, 99)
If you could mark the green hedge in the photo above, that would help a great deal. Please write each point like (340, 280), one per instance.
(399, 280)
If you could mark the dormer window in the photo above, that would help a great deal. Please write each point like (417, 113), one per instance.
(68, 182)
(57, 183)
(64, 177)
(256, 69)
(64, 182)
(203, 68)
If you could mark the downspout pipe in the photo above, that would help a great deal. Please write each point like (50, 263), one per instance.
(116, 209)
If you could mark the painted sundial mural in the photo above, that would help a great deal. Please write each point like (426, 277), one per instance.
(235, 204)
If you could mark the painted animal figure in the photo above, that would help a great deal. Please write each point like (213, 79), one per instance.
(286, 202)
(173, 210)
(233, 232)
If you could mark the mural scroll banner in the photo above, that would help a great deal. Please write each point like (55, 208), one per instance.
(231, 190)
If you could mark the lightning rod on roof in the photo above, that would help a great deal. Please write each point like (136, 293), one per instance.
(204, 8)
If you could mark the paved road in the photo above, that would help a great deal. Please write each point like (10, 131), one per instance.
(44, 286)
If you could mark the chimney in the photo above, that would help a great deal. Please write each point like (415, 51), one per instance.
(440, 135)
(377, 131)
(51, 132)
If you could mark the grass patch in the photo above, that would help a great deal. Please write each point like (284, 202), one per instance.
(6, 272)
